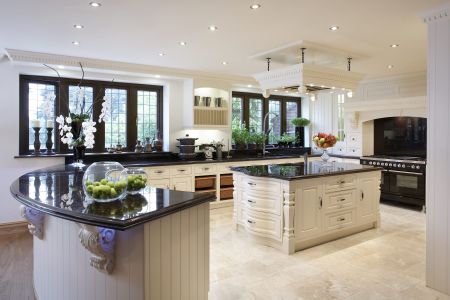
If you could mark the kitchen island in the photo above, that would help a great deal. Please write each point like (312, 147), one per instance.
(153, 245)
(294, 206)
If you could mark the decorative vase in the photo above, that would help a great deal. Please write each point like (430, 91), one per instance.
(299, 136)
(325, 157)
(219, 152)
(78, 156)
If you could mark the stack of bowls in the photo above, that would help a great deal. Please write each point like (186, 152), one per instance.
(187, 147)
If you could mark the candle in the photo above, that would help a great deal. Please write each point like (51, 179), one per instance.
(36, 123)
(50, 124)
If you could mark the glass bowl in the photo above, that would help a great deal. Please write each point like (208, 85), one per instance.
(137, 180)
(105, 181)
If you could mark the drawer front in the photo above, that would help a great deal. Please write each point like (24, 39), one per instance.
(353, 139)
(223, 168)
(205, 169)
(340, 200)
(261, 224)
(340, 220)
(339, 150)
(340, 183)
(267, 203)
(180, 170)
(158, 172)
(261, 185)
(159, 183)
(354, 151)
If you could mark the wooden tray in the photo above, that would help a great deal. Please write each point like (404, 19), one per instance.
(205, 182)
(226, 180)
(226, 193)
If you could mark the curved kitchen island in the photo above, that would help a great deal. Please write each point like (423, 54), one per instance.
(154, 245)
(295, 206)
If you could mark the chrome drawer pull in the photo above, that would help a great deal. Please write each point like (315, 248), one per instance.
(205, 169)
(250, 221)
(159, 172)
(182, 170)
(251, 183)
(341, 219)
(341, 181)
(250, 201)
(320, 198)
(343, 199)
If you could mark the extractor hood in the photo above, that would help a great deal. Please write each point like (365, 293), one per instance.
(306, 78)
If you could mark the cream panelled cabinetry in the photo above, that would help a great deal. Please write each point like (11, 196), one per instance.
(293, 215)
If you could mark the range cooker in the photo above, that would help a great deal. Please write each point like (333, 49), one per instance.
(403, 177)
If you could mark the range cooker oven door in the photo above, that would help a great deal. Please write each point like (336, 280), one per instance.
(405, 183)
(384, 186)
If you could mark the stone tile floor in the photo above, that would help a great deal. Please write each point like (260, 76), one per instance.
(384, 263)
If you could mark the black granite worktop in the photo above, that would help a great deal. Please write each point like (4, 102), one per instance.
(302, 171)
(58, 191)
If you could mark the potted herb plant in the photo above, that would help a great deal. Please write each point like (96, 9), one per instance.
(251, 141)
(239, 137)
(299, 124)
(259, 139)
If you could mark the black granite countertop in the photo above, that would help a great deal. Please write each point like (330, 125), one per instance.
(58, 191)
(300, 171)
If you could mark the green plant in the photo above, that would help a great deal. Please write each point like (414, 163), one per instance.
(300, 122)
(285, 138)
(259, 138)
(240, 135)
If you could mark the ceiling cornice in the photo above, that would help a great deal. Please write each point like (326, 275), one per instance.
(441, 12)
(38, 58)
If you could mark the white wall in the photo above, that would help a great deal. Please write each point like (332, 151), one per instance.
(438, 158)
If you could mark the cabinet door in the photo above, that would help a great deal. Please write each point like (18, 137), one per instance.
(369, 199)
(159, 183)
(308, 206)
(183, 183)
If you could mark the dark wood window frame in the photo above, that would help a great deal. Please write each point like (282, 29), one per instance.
(62, 88)
(283, 99)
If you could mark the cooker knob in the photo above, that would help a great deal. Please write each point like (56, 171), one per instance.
(403, 166)
(390, 165)
(394, 165)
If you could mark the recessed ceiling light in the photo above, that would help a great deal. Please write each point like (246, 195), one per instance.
(275, 90)
(249, 86)
(78, 26)
(394, 45)
(158, 76)
(60, 67)
(286, 91)
(213, 28)
(334, 28)
(390, 66)
(224, 63)
(322, 86)
(255, 6)
(181, 43)
(76, 43)
(95, 4)
(333, 87)
(161, 54)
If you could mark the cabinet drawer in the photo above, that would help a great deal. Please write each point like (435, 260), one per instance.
(223, 168)
(266, 203)
(180, 170)
(340, 200)
(158, 172)
(340, 220)
(354, 151)
(353, 139)
(340, 183)
(265, 225)
(205, 169)
(159, 183)
(261, 185)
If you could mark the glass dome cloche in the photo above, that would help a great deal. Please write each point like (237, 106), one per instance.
(137, 180)
(105, 181)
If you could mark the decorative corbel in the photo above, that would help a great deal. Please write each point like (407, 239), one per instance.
(35, 220)
(101, 243)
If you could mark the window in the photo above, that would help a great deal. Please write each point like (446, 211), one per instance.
(136, 112)
(274, 121)
(250, 108)
(147, 111)
(39, 98)
(116, 126)
(237, 116)
(291, 113)
(255, 115)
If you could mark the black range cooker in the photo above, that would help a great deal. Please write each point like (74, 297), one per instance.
(403, 177)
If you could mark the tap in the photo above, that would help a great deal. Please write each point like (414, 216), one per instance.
(264, 131)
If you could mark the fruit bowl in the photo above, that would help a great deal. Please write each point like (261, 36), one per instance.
(105, 181)
(324, 141)
(137, 180)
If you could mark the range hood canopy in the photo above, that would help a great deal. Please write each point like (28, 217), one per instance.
(306, 77)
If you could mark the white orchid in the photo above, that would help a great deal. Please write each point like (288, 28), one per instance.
(89, 130)
(106, 110)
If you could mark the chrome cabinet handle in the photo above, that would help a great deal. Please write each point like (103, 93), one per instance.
(205, 169)
(320, 198)
(341, 219)
(362, 195)
(343, 199)
(251, 183)
(341, 181)
(250, 221)
(181, 170)
(159, 172)
(250, 201)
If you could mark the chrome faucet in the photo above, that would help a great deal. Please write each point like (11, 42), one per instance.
(264, 131)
